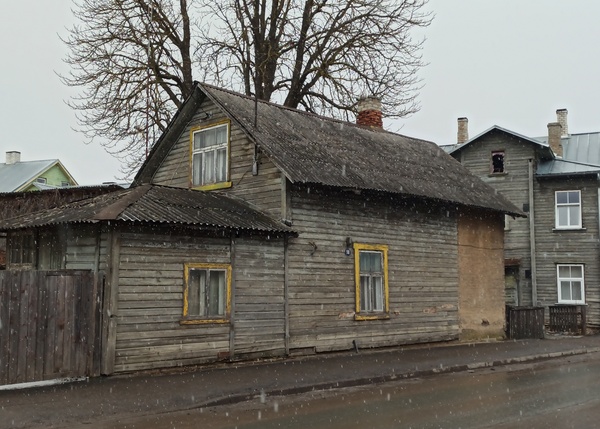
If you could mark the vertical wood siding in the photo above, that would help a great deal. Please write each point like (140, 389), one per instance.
(263, 190)
(423, 273)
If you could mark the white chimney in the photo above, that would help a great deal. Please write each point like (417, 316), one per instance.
(561, 118)
(463, 131)
(12, 157)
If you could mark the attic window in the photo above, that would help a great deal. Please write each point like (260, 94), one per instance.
(210, 156)
(497, 166)
(41, 180)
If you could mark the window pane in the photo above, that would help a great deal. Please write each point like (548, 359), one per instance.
(574, 197)
(197, 140)
(576, 291)
(564, 271)
(221, 137)
(208, 167)
(216, 294)
(576, 271)
(365, 302)
(221, 166)
(378, 293)
(565, 290)
(196, 281)
(573, 215)
(561, 197)
(563, 216)
(370, 262)
(197, 169)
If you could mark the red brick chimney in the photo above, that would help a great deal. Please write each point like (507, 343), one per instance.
(463, 131)
(554, 135)
(369, 112)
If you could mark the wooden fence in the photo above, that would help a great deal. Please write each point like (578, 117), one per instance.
(49, 325)
(524, 322)
(568, 318)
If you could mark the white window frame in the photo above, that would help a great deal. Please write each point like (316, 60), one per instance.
(571, 280)
(571, 223)
(200, 178)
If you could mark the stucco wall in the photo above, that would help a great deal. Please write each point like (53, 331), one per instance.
(481, 276)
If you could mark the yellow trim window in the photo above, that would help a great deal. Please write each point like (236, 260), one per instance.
(207, 292)
(371, 278)
(210, 155)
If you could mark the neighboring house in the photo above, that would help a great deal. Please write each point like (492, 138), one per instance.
(553, 256)
(18, 176)
(256, 230)
(24, 176)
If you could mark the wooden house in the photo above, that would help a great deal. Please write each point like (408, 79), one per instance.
(256, 230)
(552, 258)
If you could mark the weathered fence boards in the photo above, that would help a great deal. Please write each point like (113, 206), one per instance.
(48, 323)
(524, 322)
(568, 318)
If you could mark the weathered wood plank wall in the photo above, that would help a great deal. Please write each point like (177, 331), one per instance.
(423, 272)
(48, 322)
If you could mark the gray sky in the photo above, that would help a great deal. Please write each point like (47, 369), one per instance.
(510, 63)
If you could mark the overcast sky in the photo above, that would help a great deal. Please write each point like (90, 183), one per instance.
(510, 63)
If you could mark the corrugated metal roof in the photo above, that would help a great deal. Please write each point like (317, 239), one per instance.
(14, 176)
(312, 149)
(581, 155)
(155, 205)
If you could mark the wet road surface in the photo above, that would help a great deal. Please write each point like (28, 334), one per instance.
(561, 393)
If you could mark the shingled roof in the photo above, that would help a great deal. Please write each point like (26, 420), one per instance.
(151, 204)
(309, 148)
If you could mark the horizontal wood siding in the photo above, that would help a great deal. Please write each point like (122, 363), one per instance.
(263, 190)
(82, 242)
(150, 302)
(514, 185)
(423, 273)
(259, 297)
(568, 247)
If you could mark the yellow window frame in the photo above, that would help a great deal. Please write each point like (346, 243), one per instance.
(196, 320)
(386, 304)
(217, 185)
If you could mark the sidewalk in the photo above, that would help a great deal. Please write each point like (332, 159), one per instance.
(117, 397)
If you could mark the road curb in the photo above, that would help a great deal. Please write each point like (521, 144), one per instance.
(248, 396)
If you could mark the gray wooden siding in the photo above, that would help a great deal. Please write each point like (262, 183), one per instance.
(263, 190)
(259, 297)
(423, 273)
(514, 185)
(150, 300)
(568, 247)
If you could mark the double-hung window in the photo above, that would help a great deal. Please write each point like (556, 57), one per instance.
(206, 293)
(210, 156)
(568, 209)
(570, 284)
(371, 281)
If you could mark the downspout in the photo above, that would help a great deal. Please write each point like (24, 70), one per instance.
(232, 297)
(286, 303)
(534, 297)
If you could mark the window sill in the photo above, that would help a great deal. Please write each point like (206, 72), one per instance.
(212, 186)
(382, 316)
(497, 174)
(568, 229)
(203, 321)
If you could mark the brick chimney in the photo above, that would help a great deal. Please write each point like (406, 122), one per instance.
(369, 112)
(463, 131)
(561, 118)
(554, 135)
(12, 157)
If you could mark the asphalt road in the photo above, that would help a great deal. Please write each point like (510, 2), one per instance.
(560, 393)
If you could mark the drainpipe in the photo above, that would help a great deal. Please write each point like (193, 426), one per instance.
(534, 297)
(286, 303)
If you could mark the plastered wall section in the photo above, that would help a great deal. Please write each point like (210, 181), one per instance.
(481, 276)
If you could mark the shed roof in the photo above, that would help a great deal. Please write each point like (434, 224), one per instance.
(151, 204)
(309, 148)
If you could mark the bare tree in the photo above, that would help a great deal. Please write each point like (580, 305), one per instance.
(133, 59)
